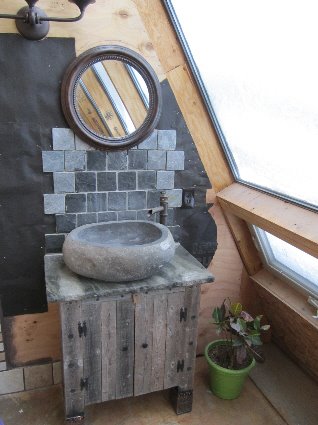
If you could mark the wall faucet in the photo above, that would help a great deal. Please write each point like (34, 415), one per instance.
(163, 209)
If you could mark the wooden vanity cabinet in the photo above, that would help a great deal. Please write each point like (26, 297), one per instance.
(132, 344)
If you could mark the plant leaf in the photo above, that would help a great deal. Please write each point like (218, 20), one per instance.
(236, 309)
(217, 315)
(236, 326)
(255, 339)
(257, 323)
(265, 327)
(242, 324)
(246, 316)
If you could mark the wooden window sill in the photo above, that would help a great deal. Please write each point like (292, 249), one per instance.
(287, 294)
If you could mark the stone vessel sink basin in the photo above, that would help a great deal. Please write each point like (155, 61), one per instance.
(118, 251)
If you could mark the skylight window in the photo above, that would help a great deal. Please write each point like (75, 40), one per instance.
(288, 261)
(257, 67)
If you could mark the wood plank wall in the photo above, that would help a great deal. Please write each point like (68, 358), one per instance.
(143, 26)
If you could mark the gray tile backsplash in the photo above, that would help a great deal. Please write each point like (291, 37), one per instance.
(95, 186)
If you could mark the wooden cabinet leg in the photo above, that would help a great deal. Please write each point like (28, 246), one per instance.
(181, 400)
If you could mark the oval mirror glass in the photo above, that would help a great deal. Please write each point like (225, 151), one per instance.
(111, 97)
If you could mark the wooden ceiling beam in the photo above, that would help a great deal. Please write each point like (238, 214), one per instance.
(291, 223)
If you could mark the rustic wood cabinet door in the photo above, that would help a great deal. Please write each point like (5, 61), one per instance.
(132, 345)
(182, 321)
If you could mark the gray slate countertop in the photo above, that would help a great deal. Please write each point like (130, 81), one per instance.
(64, 285)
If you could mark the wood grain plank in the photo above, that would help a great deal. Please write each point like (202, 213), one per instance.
(192, 303)
(73, 346)
(125, 349)
(166, 44)
(144, 321)
(33, 337)
(174, 339)
(159, 341)
(91, 314)
(109, 364)
(244, 242)
(200, 127)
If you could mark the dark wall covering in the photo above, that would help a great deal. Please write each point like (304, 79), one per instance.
(30, 75)
(198, 233)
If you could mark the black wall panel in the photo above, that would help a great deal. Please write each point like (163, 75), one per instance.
(30, 77)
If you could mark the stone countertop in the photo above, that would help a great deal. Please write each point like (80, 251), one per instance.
(64, 285)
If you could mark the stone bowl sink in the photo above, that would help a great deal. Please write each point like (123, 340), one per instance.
(118, 251)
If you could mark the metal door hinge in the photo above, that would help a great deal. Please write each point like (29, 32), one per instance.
(183, 314)
(180, 365)
(84, 384)
(82, 329)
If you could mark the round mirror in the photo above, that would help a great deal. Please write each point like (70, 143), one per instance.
(111, 97)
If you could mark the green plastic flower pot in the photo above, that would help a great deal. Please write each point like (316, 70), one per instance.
(225, 383)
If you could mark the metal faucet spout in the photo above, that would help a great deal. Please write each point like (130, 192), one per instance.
(163, 209)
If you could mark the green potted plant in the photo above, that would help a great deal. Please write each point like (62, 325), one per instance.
(231, 358)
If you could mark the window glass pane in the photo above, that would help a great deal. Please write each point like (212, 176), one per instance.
(295, 259)
(259, 65)
(293, 262)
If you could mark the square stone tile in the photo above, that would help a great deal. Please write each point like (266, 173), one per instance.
(153, 198)
(146, 179)
(127, 215)
(137, 200)
(165, 179)
(75, 202)
(96, 202)
(52, 161)
(65, 223)
(106, 181)
(38, 376)
(64, 182)
(175, 160)
(63, 139)
(3, 366)
(11, 381)
(96, 161)
(157, 160)
(54, 203)
(85, 181)
(151, 142)
(117, 161)
(80, 145)
(127, 180)
(167, 139)
(86, 219)
(174, 197)
(117, 201)
(54, 243)
(75, 161)
(137, 160)
(107, 216)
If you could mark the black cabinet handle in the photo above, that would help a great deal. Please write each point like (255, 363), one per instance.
(144, 345)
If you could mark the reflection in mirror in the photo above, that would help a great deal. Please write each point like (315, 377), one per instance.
(112, 99)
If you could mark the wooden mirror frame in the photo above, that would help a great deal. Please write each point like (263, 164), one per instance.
(68, 99)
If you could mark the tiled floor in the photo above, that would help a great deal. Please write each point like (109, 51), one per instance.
(45, 407)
